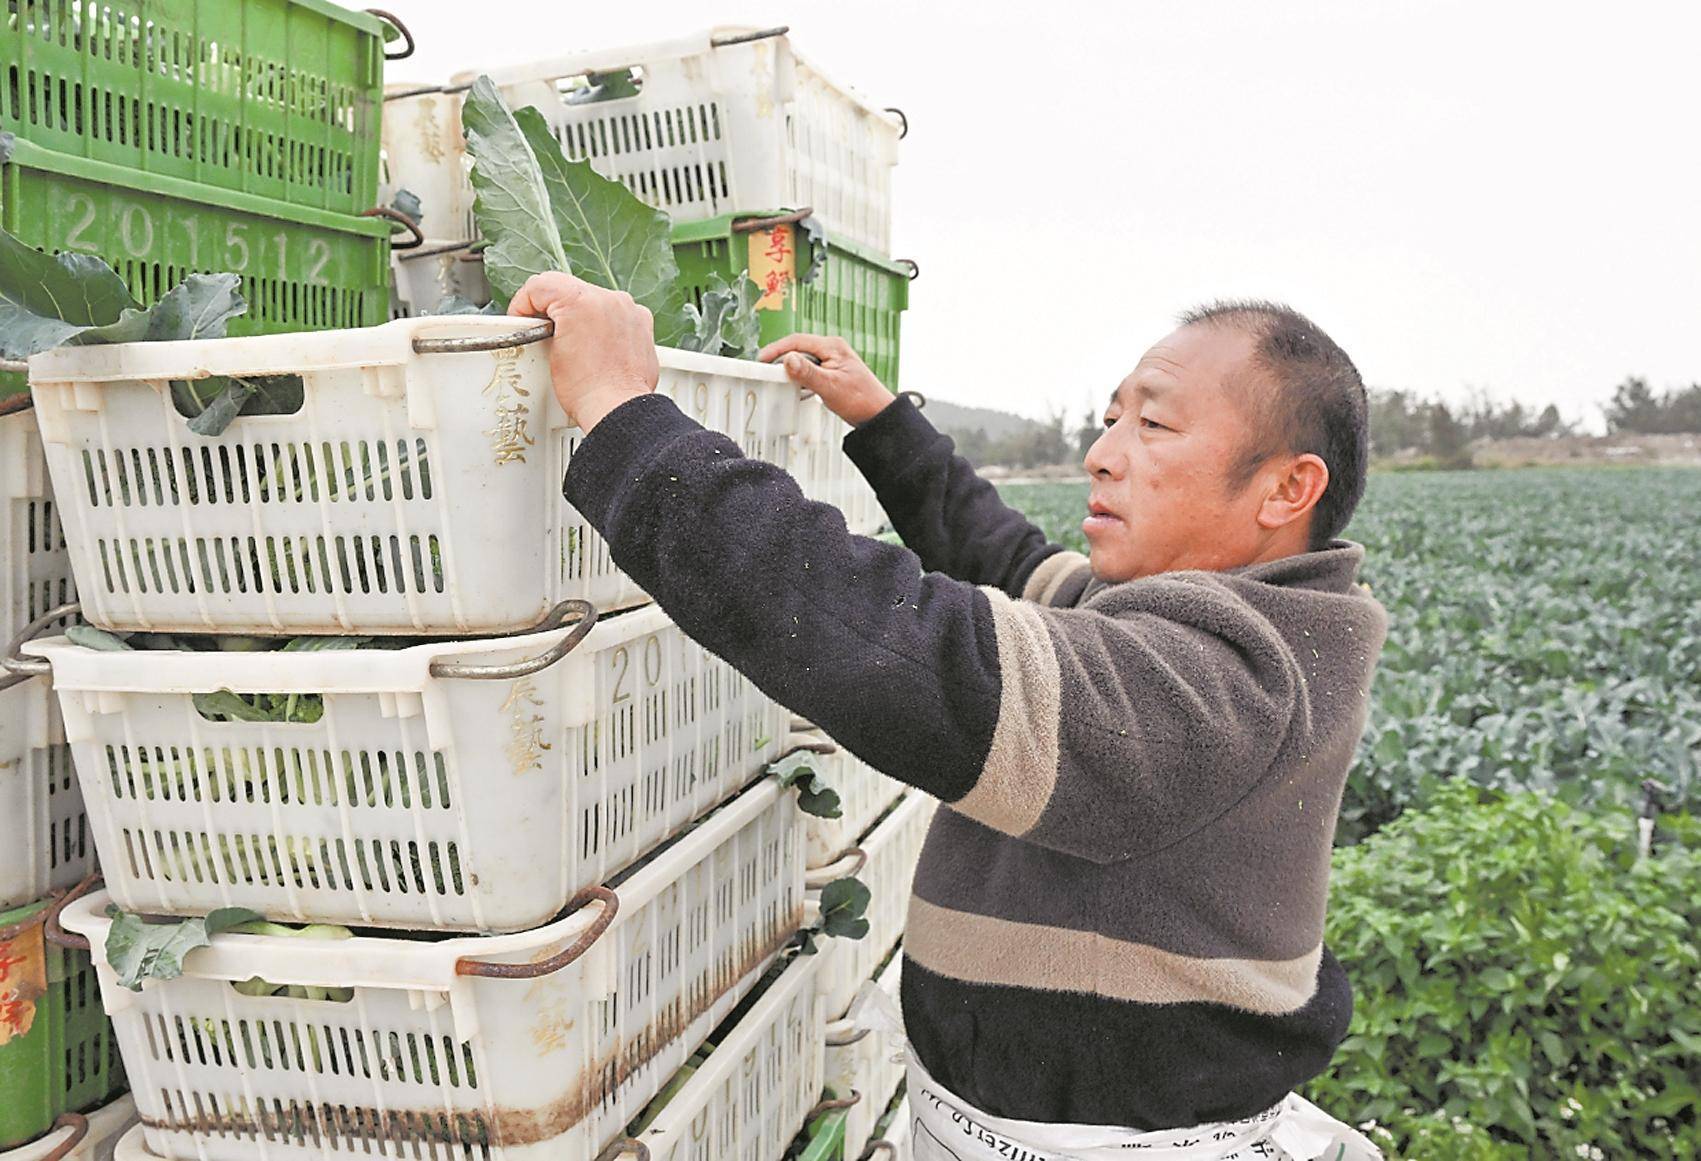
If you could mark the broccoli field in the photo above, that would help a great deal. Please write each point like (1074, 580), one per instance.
(1545, 632)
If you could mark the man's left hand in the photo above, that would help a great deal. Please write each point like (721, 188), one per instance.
(604, 349)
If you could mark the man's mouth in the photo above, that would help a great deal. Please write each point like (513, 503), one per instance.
(1099, 516)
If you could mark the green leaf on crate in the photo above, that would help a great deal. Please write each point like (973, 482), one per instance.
(455, 304)
(727, 322)
(90, 637)
(610, 237)
(814, 795)
(140, 951)
(324, 644)
(211, 404)
(76, 299)
(510, 200)
(816, 234)
(223, 705)
(407, 203)
(843, 904)
(609, 86)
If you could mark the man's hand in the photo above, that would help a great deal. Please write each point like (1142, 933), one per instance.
(604, 349)
(843, 381)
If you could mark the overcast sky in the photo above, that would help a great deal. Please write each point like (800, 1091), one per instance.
(1465, 195)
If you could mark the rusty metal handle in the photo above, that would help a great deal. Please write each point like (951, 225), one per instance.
(879, 1148)
(394, 21)
(519, 338)
(833, 1105)
(751, 225)
(821, 876)
(624, 1146)
(437, 250)
(543, 967)
(587, 618)
(15, 662)
(748, 37)
(915, 397)
(416, 91)
(401, 219)
(56, 934)
(905, 131)
(845, 1039)
(915, 267)
(20, 366)
(798, 742)
(79, 1126)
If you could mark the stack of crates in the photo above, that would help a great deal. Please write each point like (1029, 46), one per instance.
(61, 1084)
(202, 136)
(549, 833)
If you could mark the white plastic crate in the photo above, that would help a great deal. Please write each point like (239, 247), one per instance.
(415, 800)
(421, 279)
(45, 844)
(829, 476)
(96, 1138)
(432, 1059)
(413, 493)
(724, 121)
(750, 1097)
(867, 1061)
(891, 850)
(425, 153)
(864, 794)
(35, 568)
(894, 1144)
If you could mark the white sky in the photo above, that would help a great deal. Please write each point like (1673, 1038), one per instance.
(1464, 194)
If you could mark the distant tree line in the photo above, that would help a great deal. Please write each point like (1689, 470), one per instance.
(1400, 422)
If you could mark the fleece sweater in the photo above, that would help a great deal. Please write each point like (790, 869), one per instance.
(1117, 917)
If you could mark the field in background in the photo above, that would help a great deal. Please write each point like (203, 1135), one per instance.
(1544, 631)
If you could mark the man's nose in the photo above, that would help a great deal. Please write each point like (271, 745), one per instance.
(1104, 458)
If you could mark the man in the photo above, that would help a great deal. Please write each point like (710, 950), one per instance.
(1115, 935)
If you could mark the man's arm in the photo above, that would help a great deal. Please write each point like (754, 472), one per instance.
(1094, 735)
(950, 517)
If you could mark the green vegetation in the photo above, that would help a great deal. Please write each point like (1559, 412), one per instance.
(1525, 987)
(1518, 968)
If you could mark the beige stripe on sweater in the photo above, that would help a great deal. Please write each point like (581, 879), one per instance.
(981, 950)
(1021, 766)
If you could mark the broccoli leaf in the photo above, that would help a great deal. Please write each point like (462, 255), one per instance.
(212, 403)
(90, 637)
(727, 322)
(223, 705)
(510, 201)
(814, 796)
(843, 904)
(611, 237)
(407, 203)
(141, 951)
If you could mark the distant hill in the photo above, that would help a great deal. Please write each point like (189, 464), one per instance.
(956, 419)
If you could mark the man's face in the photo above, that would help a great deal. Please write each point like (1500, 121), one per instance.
(1161, 495)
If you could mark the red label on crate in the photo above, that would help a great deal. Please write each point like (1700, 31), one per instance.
(773, 265)
(23, 981)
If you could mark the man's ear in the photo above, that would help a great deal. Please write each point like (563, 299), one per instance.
(1294, 491)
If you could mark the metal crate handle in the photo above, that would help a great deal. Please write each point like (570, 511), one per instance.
(856, 858)
(751, 225)
(57, 935)
(395, 22)
(623, 1147)
(79, 1126)
(401, 219)
(905, 131)
(519, 338)
(467, 966)
(833, 1105)
(587, 618)
(15, 662)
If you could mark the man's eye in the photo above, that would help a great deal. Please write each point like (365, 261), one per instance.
(1110, 421)
(1146, 421)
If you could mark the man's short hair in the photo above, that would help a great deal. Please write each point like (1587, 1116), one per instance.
(1313, 402)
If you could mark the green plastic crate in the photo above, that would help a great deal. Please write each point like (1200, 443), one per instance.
(855, 294)
(302, 269)
(276, 98)
(68, 1060)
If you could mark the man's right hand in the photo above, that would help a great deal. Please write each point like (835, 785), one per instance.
(843, 381)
